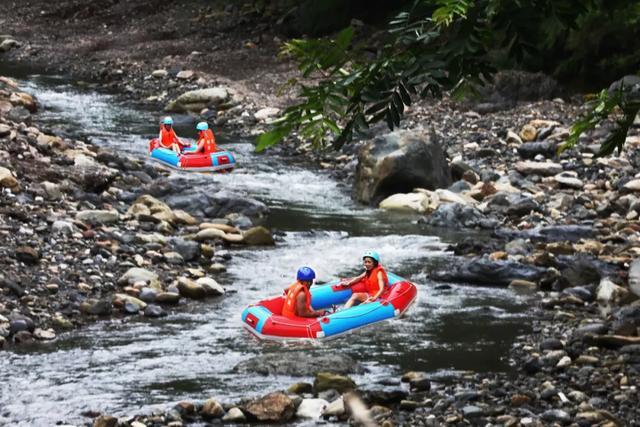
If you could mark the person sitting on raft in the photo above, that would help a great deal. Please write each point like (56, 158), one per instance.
(374, 277)
(297, 302)
(206, 139)
(168, 137)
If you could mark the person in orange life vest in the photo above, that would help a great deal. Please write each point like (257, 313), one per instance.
(375, 278)
(168, 137)
(206, 139)
(297, 302)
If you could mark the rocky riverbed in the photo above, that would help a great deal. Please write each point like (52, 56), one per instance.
(86, 236)
(89, 235)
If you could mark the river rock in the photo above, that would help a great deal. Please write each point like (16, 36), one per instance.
(538, 168)
(209, 234)
(456, 216)
(148, 294)
(159, 74)
(211, 287)
(154, 311)
(398, 162)
(311, 408)
(7, 179)
(27, 255)
(212, 409)
(8, 44)
(185, 75)
(4, 130)
(557, 416)
(136, 274)
(300, 388)
(197, 100)
(135, 305)
(329, 380)
(266, 113)
(188, 249)
(568, 181)
(234, 415)
(334, 409)
(98, 216)
(528, 133)
(298, 364)
(190, 289)
(12, 286)
(633, 185)
(217, 205)
(611, 341)
(258, 236)
(275, 407)
(487, 272)
(416, 202)
(96, 307)
(157, 209)
(530, 150)
(168, 298)
(19, 114)
(634, 277)
(105, 421)
(609, 294)
(626, 320)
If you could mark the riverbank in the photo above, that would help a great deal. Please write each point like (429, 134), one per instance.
(566, 225)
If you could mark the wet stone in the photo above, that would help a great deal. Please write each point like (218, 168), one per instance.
(471, 411)
(28, 255)
(551, 344)
(154, 311)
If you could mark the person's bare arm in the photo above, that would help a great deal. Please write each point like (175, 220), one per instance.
(303, 311)
(354, 280)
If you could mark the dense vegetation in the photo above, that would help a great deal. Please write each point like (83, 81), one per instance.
(434, 46)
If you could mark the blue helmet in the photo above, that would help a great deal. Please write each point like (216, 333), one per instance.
(373, 255)
(306, 274)
(202, 126)
(167, 121)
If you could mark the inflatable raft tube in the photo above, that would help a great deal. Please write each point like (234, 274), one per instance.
(220, 161)
(265, 321)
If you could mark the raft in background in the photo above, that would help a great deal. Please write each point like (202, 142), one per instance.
(220, 161)
(265, 321)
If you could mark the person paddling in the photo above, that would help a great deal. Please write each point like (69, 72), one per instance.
(167, 137)
(206, 139)
(297, 302)
(374, 277)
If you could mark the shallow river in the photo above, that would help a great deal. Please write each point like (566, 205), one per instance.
(134, 365)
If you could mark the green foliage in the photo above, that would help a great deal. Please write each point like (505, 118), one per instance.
(605, 105)
(432, 47)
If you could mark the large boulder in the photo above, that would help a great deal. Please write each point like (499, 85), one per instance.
(398, 162)
(484, 271)
(298, 364)
(217, 205)
(197, 100)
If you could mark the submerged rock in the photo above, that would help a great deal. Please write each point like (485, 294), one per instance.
(298, 364)
(486, 272)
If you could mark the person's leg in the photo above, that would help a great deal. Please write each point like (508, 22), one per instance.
(358, 296)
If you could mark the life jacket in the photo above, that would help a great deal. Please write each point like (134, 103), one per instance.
(167, 137)
(371, 280)
(209, 141)
(289, 307)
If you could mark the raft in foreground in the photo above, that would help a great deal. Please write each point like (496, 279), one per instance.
(264, 319)
(220, 161)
